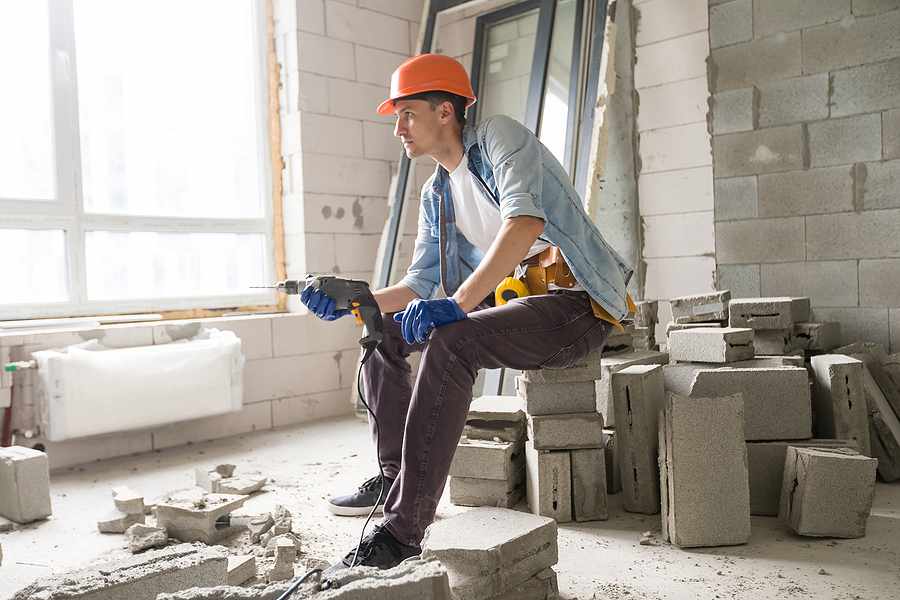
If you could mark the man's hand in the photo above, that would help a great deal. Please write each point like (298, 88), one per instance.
(421, 316)
(321, 305)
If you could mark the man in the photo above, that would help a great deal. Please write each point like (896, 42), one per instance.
(497, 198)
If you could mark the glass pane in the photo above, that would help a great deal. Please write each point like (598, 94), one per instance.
(168, 105)
(34, 266)
(506, 66)
(555, 108)
(125, 265)
(26, 142)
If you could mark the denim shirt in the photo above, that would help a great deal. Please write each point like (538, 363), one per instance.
(524, 179)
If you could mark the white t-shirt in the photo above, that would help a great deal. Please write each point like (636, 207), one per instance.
(477, 217)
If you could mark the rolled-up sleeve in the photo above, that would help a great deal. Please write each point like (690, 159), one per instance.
(424, 273)
(515, 155)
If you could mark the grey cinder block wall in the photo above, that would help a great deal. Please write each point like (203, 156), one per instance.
(805, 119)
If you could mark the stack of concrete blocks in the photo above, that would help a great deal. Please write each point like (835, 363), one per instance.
(564, 455)
(24, 484)
(128, 511)
(646, 316)
(496, 554)
(827, 492)
(488, 468)
(705, 496)
(698, 311)
(639, 397)
(773, 321)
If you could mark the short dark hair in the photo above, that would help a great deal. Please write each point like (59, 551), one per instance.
(438, 97)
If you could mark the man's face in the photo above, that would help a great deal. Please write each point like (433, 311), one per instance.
(418, 126)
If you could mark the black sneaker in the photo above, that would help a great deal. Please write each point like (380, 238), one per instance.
(362, 501)
(378, 549)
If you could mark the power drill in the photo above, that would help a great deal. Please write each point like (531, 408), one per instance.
(348, 294)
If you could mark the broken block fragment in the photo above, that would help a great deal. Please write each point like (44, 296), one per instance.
(240, 569)
(285, 554)
(191, 515)
(768, 313)
(24, 484)
(118, 522)
(128, 501)
(827, 492)
(703, 472)
(549, 483)
(143, 537)
(711, 345)
(839, 400)
(566, 432)
(701, 307)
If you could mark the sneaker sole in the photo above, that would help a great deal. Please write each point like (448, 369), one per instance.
(353, 511)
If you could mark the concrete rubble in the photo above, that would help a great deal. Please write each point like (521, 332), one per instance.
(566, 432)
(490, 551)
(839, 399)
(24, 484)
(711, 345)
(768, 313)
(142, 537)
(191, 515)
(765, 462)
(240, 569)
(639, 397)
(827, 492)
(701, 308)
(285, 551)
(705, 496)
(142, 577)
(222, 480)
(128, 501)
(613, 364)
(118, 522)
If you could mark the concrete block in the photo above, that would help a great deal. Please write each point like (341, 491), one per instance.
(663, 21)
(366, 27)
(128, 501)
(703, 469)
(812, 191)
(879, 282)
(851, 42)
(240, 569)
(644, 338)
(776, 401)
(497, 418)
(773, 341)
(675, 103)
(760, 241)
(589, 485)
(242, 486)
(879, 182)
(820, 337)
(827, 283)
(866, 88)
(891, 133)
(736, 198)
(143, 537)
(827, 492)
(730, 23)
(485, 459)
(853, 235)
(777, 16)
(141, 577)
(646, 313)
(613, 462)
(679, 377)
(768, 313)
(24, 484)
(117, 522)
(469, 491)
(679, 147)
(756, 62)
(742, 280)
(614, 364)
(639, 397)
(839, 400)
(557, 398)
(793, 100)
(692, 188)
(664, 234)
(845, 141)
(549, 483)
(768, 362)
(763, 151)
(564, 432)
(190, 515)
(734, 110)
(701, 308)
(586, 370)
(654, 64)
(858, 323)
(765, 461)
(711, 344)
(871, 7)
(488, 551)
(542, 586)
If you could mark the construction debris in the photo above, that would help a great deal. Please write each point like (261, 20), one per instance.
(142, 577)
(143, 537)
(827, 492)
(839, 400)
(128, 501)
(241, 569)
(118, 522)
(701, 308)
(705, 497)
(285, 551)
(191, 515)
(711, 345)
(222, 480)
(490, 551)
(24, 484)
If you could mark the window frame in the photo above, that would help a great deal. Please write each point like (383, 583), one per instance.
(66, 211)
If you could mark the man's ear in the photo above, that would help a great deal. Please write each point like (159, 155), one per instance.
(446, 110)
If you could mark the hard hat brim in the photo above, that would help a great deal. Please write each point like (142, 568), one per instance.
(386, 108)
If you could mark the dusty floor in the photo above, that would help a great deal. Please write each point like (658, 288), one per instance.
(601, 560)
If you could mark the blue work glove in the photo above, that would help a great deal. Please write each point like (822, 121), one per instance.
(421, 316)
(321, 305)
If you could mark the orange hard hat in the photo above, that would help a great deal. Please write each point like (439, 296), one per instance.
(428, 73)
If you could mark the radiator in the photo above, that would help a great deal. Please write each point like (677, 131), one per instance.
(88, 389)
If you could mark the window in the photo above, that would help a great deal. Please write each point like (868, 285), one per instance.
(134, 159)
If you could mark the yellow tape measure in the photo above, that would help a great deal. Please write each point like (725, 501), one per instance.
(356, 313)
(509, 289)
